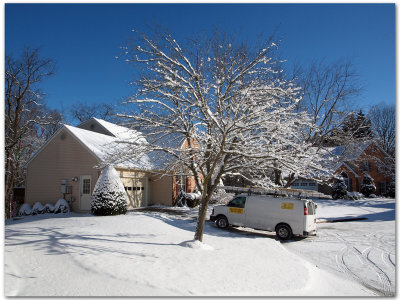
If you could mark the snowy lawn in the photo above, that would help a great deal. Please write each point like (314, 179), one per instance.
(151, 254)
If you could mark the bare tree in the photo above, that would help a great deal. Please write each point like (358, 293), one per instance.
(83, 112)
(225, 100)
(327, 90)
(383, 118)
(327, 93)
(26, 117)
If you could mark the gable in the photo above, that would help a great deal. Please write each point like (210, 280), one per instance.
(62, 148)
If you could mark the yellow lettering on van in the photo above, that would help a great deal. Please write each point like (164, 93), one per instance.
(287, 206)
(236, 210)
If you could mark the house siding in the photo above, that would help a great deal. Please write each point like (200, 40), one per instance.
(161, 190)
(62, 158)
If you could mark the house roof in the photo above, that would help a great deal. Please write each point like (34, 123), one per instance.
(105, 147)
(350, 152)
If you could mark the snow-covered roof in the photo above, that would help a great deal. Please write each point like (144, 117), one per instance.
(104, 146)
(120, 132)
(351, 152)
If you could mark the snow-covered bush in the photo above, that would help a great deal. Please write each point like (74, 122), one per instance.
(109, 196)
(372, 196)
(339, 189)
(391, 192)
(38, 208)
(354, 195)
(25, 210)
(188, 199)
(221, 197)
(367, 186)
(49, 208)
(61, 206)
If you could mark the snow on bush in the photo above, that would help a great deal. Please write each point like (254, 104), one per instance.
(372, 196)
(367, 186)
(25, 210)
(38, 208)
(355, 195)
(339, 189)
(220, 196)
(61, 206)
(188, 199)
(49, 208)
(109, 196)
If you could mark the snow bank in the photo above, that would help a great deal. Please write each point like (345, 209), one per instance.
(196, 245)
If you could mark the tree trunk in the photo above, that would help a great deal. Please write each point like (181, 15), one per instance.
(202, 217)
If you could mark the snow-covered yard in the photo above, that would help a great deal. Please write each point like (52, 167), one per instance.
(150, 253)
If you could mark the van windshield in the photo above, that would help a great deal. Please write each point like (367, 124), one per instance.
(311, 208)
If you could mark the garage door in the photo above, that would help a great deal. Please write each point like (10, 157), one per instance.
(136, 190)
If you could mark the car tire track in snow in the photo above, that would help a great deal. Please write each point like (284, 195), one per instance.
(347, 251)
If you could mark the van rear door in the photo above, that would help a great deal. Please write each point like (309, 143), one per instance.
(310, 225)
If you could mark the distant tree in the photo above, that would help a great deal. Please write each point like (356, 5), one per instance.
(357, 127)
(383, 119)
(327, 90)
(83, 112)
(224, 99)
(367, 186)
(28, 121)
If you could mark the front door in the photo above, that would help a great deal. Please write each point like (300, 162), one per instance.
(85, 192)
(236, 213)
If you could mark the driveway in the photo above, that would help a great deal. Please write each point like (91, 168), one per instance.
(363, 251)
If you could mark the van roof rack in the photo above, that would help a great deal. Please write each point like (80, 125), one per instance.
(278, 192)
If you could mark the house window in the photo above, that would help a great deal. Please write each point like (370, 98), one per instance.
(365, 166)
(311, 184)
(303, 183)
(382, 187)
(295, 184)
(86, 186)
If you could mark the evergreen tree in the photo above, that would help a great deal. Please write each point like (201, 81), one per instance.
(357, 126)
(367, 185)
(109, 196)
(339, 189)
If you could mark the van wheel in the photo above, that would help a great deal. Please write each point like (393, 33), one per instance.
(283, 232)
(222, 222)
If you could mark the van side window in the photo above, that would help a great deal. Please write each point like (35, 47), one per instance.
(237, 202)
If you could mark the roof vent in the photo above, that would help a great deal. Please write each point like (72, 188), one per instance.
(63, 136)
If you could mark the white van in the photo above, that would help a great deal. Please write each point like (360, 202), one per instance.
(285, 216)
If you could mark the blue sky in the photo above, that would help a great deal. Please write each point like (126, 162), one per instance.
(84, 40)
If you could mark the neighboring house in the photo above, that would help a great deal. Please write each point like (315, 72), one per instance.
(363, 158)
(68, 166)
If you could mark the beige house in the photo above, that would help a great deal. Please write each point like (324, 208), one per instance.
(69, 164)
